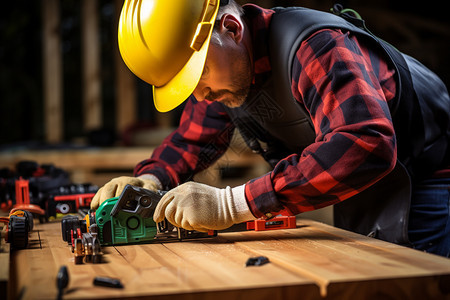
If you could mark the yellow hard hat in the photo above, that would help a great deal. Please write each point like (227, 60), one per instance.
(165, 43)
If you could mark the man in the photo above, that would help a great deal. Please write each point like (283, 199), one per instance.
(344, 117)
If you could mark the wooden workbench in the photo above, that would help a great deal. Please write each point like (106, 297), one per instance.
(313, 261)
(99, 165)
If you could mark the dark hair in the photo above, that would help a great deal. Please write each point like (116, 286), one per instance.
(229, 7)
(232, 8)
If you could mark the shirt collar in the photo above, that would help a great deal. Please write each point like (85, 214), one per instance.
(258, 20)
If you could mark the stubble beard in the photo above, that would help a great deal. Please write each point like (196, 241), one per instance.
(240, 84)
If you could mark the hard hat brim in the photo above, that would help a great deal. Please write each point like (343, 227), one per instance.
(180, 87)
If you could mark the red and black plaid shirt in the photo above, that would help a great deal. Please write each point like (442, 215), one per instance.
(344, 86)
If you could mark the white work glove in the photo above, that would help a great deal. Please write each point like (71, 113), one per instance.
(196, 206)
(115, 187)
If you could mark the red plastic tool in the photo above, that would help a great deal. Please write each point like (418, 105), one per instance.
(282, 222)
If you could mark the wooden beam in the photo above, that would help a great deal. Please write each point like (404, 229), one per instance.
(126, 103)
(52, 71)
(312, 261)
(4, 264)
(92, 102)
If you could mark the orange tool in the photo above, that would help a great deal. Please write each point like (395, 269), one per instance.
(282, 222)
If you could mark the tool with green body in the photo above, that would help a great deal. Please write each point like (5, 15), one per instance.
(128, 219)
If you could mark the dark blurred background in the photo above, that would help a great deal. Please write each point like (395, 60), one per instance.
(421, 31)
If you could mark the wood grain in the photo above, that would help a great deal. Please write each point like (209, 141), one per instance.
(92, 100)
(125, 85)
(4, 267)
(52, 71)
(313, 261)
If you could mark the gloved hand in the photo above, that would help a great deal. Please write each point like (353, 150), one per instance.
(196, 206)
(115, 187)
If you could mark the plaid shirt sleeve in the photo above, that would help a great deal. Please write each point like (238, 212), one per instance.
(346, 89)
(203, 135)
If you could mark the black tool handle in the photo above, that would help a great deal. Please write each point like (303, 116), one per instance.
(108, 282)
(62, 280)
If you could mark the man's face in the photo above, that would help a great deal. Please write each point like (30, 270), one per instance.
(227, 75)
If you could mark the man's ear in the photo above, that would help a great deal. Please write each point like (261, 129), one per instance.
(231, 25)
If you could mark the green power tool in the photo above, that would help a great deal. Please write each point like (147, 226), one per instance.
(127, 219)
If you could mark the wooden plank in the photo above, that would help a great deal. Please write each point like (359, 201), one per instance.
(219, 263)
(314, 256)
(82, 163)
(4, 267)
(342, 257)
(52, 71)
(126, 101)
(108, 158)
(175, 270)
(92, 102)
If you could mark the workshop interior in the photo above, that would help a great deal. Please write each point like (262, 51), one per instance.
(73, 116)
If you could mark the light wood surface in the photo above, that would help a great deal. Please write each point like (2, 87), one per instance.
(4, 267)
(313, 261)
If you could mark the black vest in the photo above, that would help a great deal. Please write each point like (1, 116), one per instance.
(420, 112)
